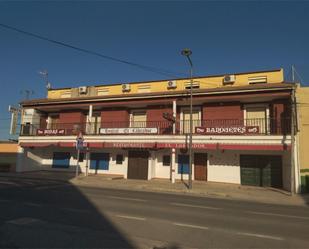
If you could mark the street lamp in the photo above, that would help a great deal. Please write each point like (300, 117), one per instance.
(187, 52)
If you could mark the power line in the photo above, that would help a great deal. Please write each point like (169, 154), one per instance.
(147, 68)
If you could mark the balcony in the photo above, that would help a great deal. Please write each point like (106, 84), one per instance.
(200, 127)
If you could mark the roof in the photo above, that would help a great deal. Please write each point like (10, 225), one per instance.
(219, 90)
(183, 78)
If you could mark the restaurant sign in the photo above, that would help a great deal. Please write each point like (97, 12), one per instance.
(132, 130)
(51, 132)
(234, 130)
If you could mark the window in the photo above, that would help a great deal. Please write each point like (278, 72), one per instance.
(93, 124)
(119, 159)
(166, 160)
(66, 94)
(144, 89)
(61, 160)
(185, 120)
(256, 115)
(103, 91)
(257, 79)
(52, 121)
(138, 119)
(195, 85)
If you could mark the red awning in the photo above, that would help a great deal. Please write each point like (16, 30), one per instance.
(276, 147)
(37, 144)
(96, 144)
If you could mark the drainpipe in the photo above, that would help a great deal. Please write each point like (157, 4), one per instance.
(174, 116)
(293, 141)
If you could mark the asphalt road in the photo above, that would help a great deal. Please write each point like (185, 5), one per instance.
(47, 213)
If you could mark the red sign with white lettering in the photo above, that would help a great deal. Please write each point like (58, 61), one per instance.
(235, 130)
(50, 132)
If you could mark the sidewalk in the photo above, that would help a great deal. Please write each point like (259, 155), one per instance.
(202, 189)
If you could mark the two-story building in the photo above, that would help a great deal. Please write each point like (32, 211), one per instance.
(139, 130)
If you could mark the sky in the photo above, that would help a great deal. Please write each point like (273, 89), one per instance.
(224, 36)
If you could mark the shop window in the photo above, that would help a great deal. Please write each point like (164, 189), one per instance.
(166, 160)
(119, 159)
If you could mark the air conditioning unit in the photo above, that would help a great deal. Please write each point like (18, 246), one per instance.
(171, 84)
(82, 90)
(229, 79)
(126, 87)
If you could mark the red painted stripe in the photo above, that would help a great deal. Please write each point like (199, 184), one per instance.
(96, 145)
(276, 147)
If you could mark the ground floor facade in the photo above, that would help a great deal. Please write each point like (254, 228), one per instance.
(256, 168)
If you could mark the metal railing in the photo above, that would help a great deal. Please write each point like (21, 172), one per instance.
(216, 126)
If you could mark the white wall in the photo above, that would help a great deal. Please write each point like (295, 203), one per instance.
(160, 170)
(223, 167)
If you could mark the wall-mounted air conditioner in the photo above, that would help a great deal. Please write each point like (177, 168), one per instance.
(82, 90)
(126, 87)
(229, 79)
(171, 84)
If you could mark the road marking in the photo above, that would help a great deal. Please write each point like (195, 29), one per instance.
(126, 199)
(260, 236)
(279, 215)
(75, 210)
(23, 221)
(32, 204)
(193, 206)
(131, 217)
(50, 187)
(190, 226)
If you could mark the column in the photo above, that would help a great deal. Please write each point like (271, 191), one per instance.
(173, 165)
(174, 115)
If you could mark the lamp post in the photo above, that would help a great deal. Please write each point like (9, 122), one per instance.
(187, 52)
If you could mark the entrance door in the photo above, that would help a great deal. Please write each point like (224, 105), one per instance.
(99, 161)
(138, 165)
(200, 166)
(61, 160)
(261, 170)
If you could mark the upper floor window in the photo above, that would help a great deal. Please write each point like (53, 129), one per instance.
(185, 119)
(66, 94)
(138, 118)
(144, 89)
(257, 115)
(195, 85)
(257, 79)
(52, 121)
(103, 91)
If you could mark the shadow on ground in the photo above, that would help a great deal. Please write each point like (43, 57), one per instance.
(32, 215)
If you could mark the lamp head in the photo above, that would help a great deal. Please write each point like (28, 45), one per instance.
(186, 52)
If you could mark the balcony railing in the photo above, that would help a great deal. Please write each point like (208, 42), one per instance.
(206, 127)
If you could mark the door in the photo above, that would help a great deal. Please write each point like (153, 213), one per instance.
(138, 165)
(99, 161)
(186, 121)
(261, 170)
(61, 160)
(200, 166)
(183, 164)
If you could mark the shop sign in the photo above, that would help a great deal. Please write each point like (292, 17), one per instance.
(132, 130)
(234, 130)
(183, 145)
(54, 132)
(130, 145)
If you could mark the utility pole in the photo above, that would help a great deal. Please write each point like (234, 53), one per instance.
(293, 74)
(187, 52)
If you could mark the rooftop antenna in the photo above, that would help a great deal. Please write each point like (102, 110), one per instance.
(293, 74)
(44, 74)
